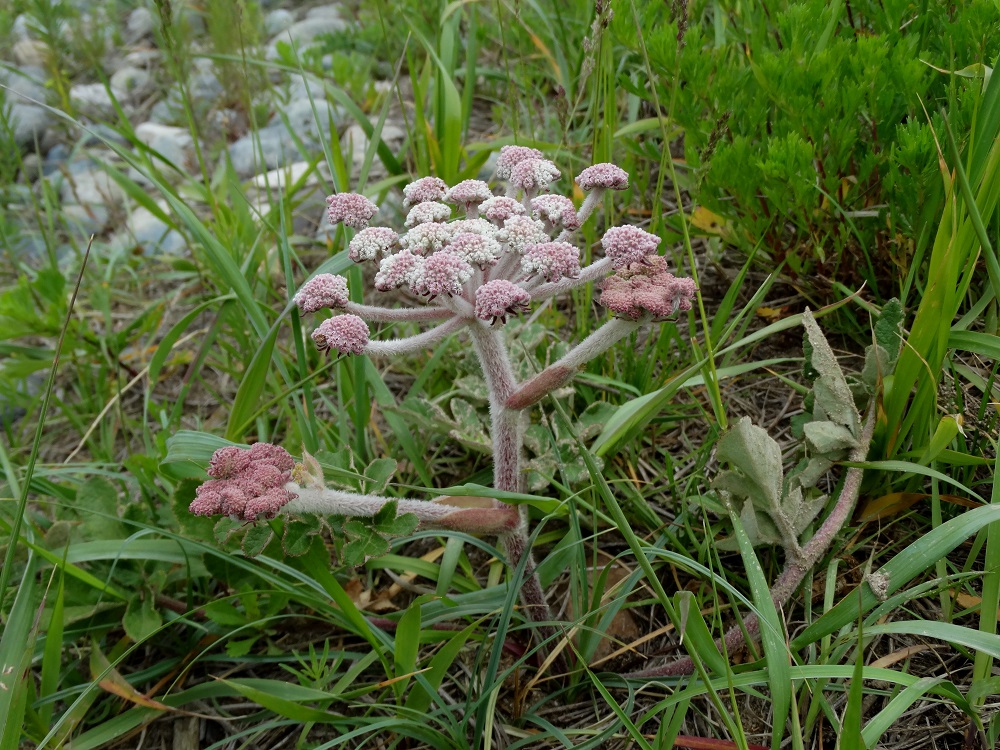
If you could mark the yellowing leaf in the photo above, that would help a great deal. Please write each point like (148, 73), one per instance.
(708, 222)
(897, 502)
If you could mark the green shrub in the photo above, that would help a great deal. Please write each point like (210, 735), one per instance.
(815, 113)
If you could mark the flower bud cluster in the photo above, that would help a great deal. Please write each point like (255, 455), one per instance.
(246, 484)
(645, 288)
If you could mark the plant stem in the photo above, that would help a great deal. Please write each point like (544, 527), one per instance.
(796, 567)
(508, 436)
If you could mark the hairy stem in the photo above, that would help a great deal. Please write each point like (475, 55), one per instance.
(595, 271)
(563, 371)
(508, 436)
(460, 514)
(397, 314)
(796, 567)
(411, 344)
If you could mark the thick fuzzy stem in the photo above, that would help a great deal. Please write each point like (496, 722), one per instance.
(560, 373)
(509, 265)
(397, 314)
(591, 202)
(411, 344)
(508, 436)
(796, 567)
(460, 514)
(595, 271)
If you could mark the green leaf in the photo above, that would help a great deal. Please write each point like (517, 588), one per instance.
(252, 385)
(889, 329)
(833, 395)
(378, 474)
(298, 534)
(366, 543)
(256, 539)
(97, 502)
(772, 634)
(141, 620)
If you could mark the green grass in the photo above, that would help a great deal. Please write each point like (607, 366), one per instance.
(122, 613)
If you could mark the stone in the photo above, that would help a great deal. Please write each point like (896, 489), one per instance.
(24, 82)
(55, 158)
(282, 178)
(272, 147)
(89, 185)
(31, 168)
(279, 140)
(277, 21)
(100, 134)
(85, 219)
(143, 58)
(175, 145)
(141, 24)
(149, 234)
(204, 90)
(309, 120)
(304, 33)
(355, 141)
(30, 52)
(93, 100)
(227, 123)
(30, 124)
(135, 83)
(21, 28)
(324, 12)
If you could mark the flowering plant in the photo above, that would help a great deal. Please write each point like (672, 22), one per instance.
(504, 253)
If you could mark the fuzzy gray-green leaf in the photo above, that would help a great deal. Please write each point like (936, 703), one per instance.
(831, 391)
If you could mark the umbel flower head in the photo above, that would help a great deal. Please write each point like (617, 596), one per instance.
(322, 290)
(503, 251)
(346, 334)
(246, 484)
(350, 209)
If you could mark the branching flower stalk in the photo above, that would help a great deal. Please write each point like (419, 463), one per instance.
(503, 253)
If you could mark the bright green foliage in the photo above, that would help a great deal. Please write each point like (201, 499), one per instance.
(806, 127)
(368, 538)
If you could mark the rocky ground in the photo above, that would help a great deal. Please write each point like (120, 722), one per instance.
(76, 136)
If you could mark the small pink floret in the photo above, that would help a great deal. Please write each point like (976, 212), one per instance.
(627, 245)
(372, 242)
(424, 189)
(553, 260)
(608, 176)
(521, 231)
(499, 298)
(249, 483)
(499, 208)
(351, 209)
(396, 270)
(444, 272)
(510, 156)
(322, 290)
(476, 249)
(534, 174)
(346, 334)
(469, 193)
(427, 212)
(228, 462)
(558, 210)
(424, 239)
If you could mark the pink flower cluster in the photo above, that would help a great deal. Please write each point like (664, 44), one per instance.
(647, 288)
(246, 484)
(499, 254)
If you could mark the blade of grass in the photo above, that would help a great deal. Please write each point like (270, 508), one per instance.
(8, 562)
(772, 631)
